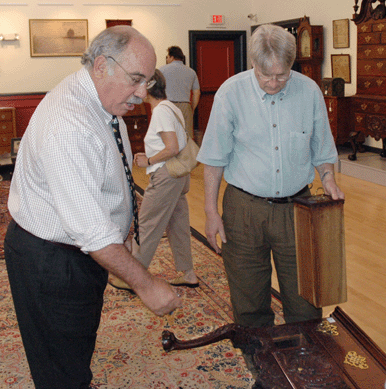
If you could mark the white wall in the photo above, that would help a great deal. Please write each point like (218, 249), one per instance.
(320, 13)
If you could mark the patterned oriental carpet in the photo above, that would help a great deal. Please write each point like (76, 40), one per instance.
(128, 351)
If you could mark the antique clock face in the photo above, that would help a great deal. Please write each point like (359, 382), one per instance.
(305, 44)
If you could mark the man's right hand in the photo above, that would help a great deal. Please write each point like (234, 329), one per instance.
(213, 226)
(155, 293)
(159, 297)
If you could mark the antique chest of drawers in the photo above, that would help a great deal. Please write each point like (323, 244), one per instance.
(7, 128)
(369, 103)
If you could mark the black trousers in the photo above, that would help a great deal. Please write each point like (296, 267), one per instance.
(58, 298)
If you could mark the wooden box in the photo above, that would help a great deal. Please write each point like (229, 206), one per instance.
(320, 250)
(333, 87)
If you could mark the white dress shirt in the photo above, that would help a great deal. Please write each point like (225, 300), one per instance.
(69, 184)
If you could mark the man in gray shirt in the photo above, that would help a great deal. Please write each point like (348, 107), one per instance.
(181, 80)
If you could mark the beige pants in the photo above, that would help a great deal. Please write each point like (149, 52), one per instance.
(187, 111)
(165, 208)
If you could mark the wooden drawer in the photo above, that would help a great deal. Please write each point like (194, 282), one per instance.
(372, 26)
(369, 38)
(6, 114)
(5, 140)
(373, 125)
(371, 85)
(375, 106)
(6, 128)
(372, 51)
(372, 67)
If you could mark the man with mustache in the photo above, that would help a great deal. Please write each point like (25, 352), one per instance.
(72, 207)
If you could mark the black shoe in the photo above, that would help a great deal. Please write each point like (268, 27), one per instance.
(131, 291)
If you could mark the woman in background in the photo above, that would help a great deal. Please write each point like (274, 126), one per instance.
(164, 206)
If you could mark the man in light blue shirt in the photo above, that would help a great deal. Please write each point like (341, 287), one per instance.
(268, 131)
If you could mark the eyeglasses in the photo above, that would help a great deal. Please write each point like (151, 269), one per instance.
(135, 79)
(279, 78)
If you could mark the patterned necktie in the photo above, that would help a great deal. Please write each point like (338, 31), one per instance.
(115, 125)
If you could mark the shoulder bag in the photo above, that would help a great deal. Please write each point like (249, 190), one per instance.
(185, 161)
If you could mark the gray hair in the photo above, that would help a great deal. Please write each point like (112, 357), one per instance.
(110, 42)
(269, 44)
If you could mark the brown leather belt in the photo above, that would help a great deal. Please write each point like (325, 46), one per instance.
(275, 200)
(62, 245)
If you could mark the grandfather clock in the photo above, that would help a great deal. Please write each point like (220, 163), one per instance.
(310, 49)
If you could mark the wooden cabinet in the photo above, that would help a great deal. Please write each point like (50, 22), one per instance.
(338, 109)
(137, 123)
(369, 104)
(7, 128)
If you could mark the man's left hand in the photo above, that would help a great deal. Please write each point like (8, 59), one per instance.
(331, 188)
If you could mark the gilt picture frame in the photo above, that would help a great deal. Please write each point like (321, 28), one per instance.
(341, 67)
(341, 33)
(58, 37)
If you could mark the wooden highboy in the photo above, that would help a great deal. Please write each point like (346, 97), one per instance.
(369, 103)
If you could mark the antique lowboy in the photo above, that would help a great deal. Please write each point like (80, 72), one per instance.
(369, 103)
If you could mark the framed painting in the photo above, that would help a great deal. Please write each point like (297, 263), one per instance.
(340, 33)
(340, 66)
(58, 37)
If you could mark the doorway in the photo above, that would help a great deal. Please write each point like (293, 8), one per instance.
(215, 56)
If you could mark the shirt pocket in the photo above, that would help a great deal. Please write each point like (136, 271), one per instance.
(300, 150)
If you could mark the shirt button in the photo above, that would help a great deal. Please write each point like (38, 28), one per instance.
(277, 192)
(273, 103)
(274, 126)
(278, 171)
(276, 148)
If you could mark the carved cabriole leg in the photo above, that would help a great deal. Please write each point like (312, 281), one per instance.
(241, 337)
(354, 145)
(170, 342)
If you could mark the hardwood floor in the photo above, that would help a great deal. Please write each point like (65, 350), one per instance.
(365, 232)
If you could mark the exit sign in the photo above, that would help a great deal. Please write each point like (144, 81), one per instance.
(217, 19)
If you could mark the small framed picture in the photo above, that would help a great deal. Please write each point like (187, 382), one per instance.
(58, 37)
(340, 33)
(340, 67)
(15, 143)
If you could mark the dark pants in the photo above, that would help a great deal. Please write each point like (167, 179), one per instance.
(256, 229)
(58, 297)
